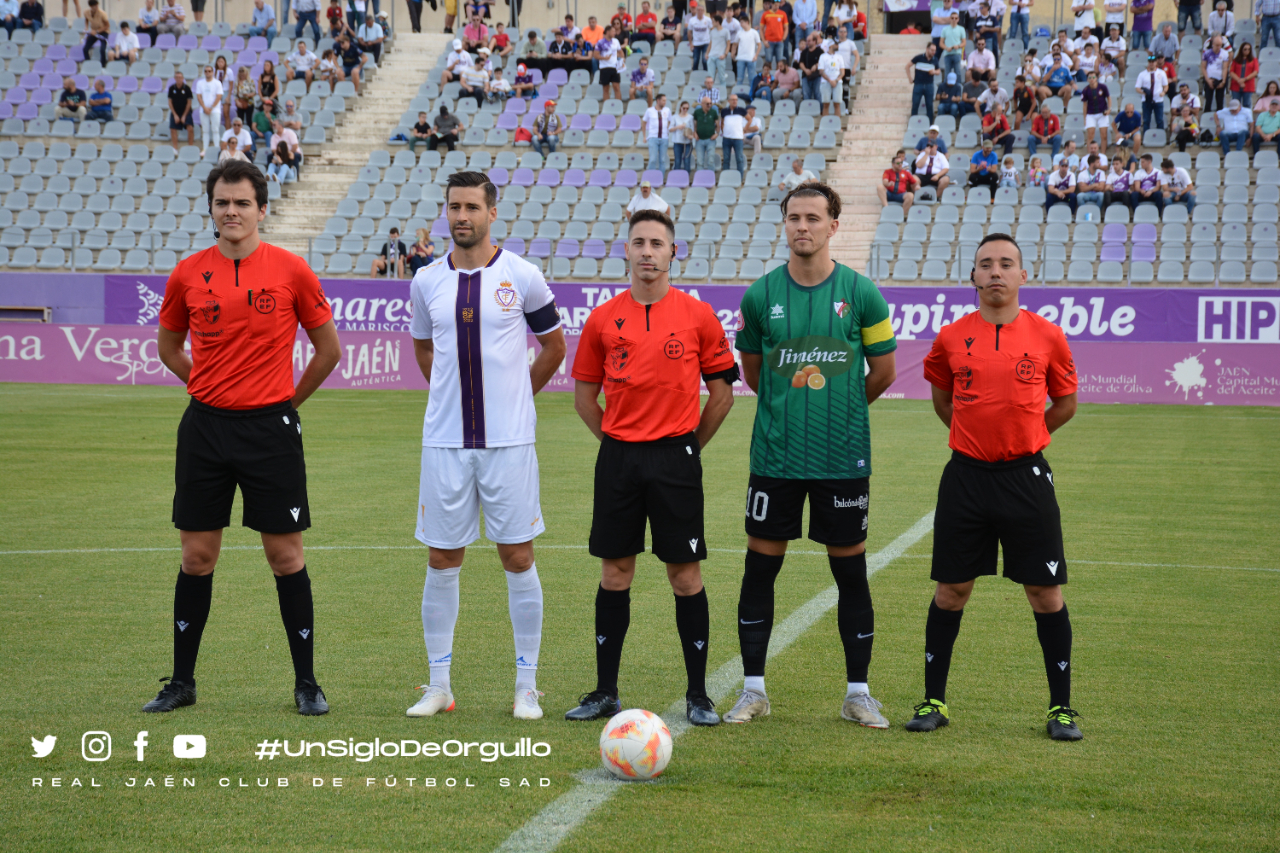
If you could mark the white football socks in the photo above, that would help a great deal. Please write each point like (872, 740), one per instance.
(439, 616)
(753, 682)
(856, 687)
(524, 602)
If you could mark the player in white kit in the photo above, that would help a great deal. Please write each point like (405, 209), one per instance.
(470, 311)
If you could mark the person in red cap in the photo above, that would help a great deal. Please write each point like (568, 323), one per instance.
(523, 84)
(547, 128)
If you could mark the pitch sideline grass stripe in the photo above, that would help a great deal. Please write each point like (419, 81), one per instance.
(545, 830)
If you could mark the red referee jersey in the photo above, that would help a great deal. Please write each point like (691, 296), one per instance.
(651, 360)
(998, 376)
(243, 317)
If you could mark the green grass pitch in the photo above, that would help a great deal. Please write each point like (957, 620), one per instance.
(1172, 524)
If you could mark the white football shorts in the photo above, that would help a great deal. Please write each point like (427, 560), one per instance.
(1101, 120)
(456, 482)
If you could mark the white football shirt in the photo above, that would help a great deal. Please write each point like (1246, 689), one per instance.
(480, 391)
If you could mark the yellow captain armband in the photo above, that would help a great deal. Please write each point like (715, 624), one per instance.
(878, 333)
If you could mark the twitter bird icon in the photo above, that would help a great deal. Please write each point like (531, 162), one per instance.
(42, 748)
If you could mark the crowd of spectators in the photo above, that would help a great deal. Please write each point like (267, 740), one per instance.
(958, 74)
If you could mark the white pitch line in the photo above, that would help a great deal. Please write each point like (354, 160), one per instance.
(545, 830)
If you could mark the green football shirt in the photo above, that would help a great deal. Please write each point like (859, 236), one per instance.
(811, 416)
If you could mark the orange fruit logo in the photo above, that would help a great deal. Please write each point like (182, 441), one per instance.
(817, 381)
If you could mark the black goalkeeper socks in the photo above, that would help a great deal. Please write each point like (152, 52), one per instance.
(191, 597)
(693, 623)
(755, 610)
(855, 616)
(940, 631)
(298, 615)
(1054, 630)
(613, 618)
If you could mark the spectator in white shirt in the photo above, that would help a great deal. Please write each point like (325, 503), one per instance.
(748, 49)
(752, 131)
(1113, 47)
(1083, 12)
(993, 96)
(1221, 22)
(1152, 84)
(231, 152)
(657, 126)
(931, 168)
(172, 18)
(1062, 187)
(1091, 183)
(1185, 98)
(1086, 37)
(831, 69)
(1119, 182)
(208, 91)
(370, 38)
(797, 176)
(264, 21)
(242, 137)
(1214, 64)
(1145, 186)
(1176, 185)
(981, 61)
(455, 63)
(301, 62)
(646, 199)
(126, 46)
(699, 29)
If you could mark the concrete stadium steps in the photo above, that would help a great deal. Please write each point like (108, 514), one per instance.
(877, 121)
(306, 205)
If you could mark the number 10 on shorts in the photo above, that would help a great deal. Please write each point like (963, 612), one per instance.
(757, 504)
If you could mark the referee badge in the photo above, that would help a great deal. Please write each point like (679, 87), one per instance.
(1026, 370)
(212, 311)
(505, 295)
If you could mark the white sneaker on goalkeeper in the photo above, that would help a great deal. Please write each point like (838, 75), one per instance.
(526, 706)
(434, 700)
(863, 710)
(750, 704)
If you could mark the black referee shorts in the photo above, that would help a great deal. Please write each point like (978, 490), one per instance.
(259, 450)
(660, 481)
(1011, 504)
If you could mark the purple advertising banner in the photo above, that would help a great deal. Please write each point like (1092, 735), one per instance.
(1110, 372)
(1084, 313)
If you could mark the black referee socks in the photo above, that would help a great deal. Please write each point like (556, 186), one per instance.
(298, 614)
(613, 618)
(191, 597)
(693, 622)
(940, 631)
(855, 616)
(1054, 630)
(755, 610)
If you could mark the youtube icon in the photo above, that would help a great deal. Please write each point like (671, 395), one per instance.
(188, 746)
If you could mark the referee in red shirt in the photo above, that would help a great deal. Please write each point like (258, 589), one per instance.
(990, 372)
(241, 301)
(650, 349)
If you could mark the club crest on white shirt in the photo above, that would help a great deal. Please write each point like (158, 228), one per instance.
(505, 295)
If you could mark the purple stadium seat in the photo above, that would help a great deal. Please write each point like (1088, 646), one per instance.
(29, 80)
(508, 121)
(211, 43)
(58, 52)
(607, 122)
(6, 110)
(440, 228)
(52, 80)
(82, 81)
(153, 85)
(539, 247)
(65, 67)
(1115, 233)
(568, 248)
(581, 121)
(499, 177)
(76, 53)
(514, 245)
(270, 54)
(549, 178)
(1113, 252)
(16, 95)
(575, 178)
(42, 67)
(27, 111)
(257, 43)
(600, 178)
(548, 90)
(1144, 252)
(522, 178)
(704, 178)
(631, 123)
(682, 250)
(40, 97)
(653, 176)
(618, 249)
(517, 106)
(166, 41)
(1144, 233)
(558, 76)
(678, 178)
(246, 57)
(234, 43)
(127, 84)
(594, 249)
(527, 121)
(144, 41)
(626, 178)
